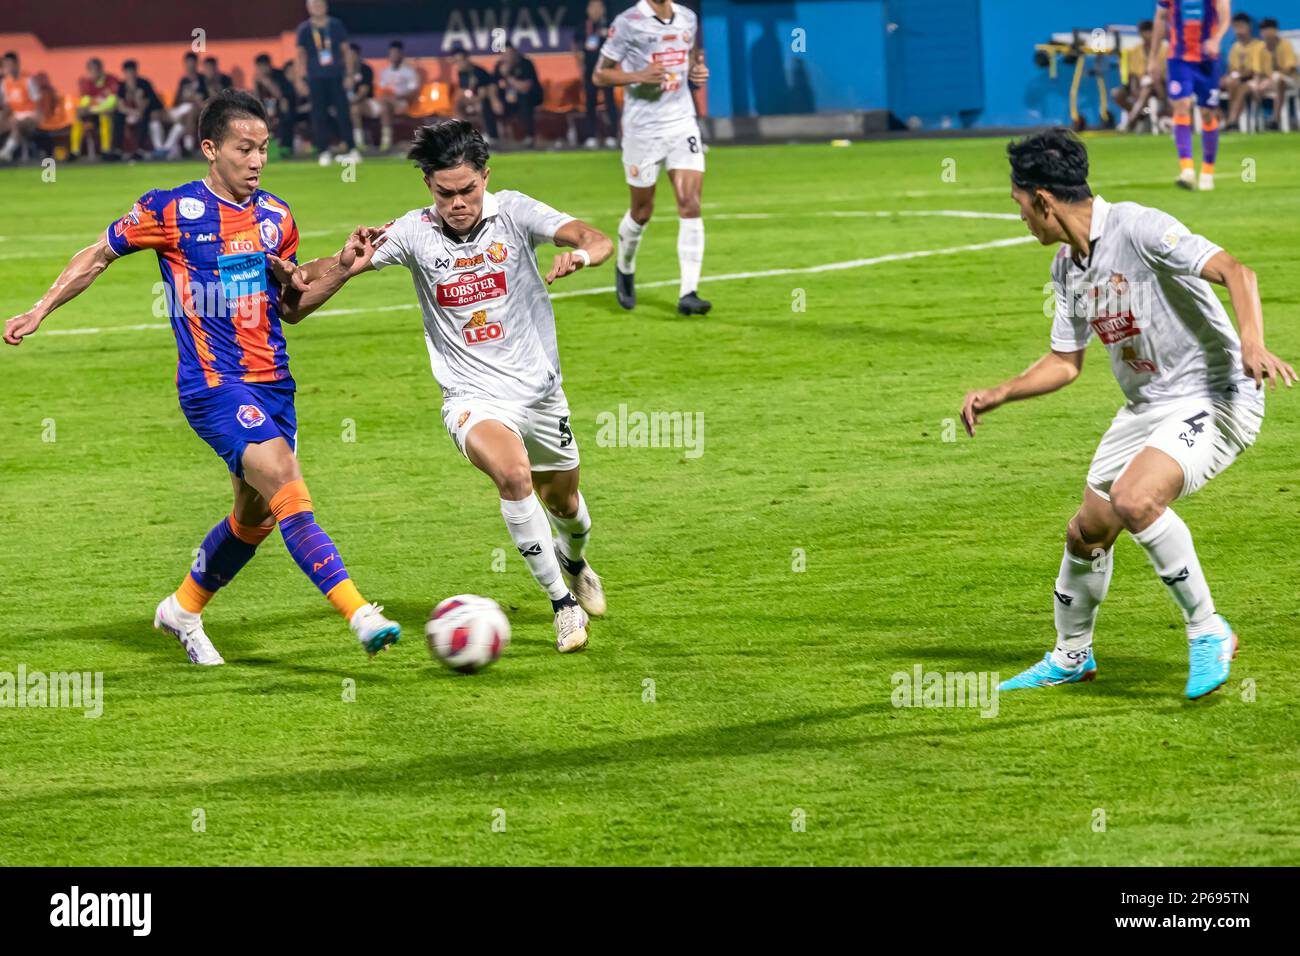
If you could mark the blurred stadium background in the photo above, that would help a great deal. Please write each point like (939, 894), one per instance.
(781, 69)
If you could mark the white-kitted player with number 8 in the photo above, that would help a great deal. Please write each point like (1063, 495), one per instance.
(653, 51)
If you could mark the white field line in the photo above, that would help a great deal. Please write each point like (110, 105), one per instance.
(605, 290)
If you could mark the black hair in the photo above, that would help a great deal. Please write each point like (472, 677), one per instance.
(356, 47)
(1268, 23)
(11, 55)
(130, 65)
(228, 105)
(1053, 159)
(396, 44)
(1145, 25)
(446, 145)
(263, 58)
(191, 56)
(95, 60)
(209, 59)
(459, 50)
(1242, 17)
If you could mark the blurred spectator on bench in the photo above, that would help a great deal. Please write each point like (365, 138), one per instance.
(476, 94)
(214, 79)
(279, 99)
(1241, 66)
(359, 84)
(321, 42)
(399, 85)
(19, 114)
(1275, 68)
(588, 44)
(191, 94)
(138, 107)
(95, 107)
(519, 90)
(1141, 90)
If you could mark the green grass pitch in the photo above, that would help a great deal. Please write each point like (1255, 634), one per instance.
(735, 705)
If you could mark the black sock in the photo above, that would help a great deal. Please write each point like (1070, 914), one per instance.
(573, 566)
(567, 601)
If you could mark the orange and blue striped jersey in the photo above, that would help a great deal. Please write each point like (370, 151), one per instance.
(223, 300)
(1191, 23)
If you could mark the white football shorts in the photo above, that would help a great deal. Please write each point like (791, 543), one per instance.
(543, 427)
(644, 156)
(1204, 435)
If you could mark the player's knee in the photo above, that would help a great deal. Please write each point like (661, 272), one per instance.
(641, 213)
(1085, 541)
(515, 481)
(563, 505)
(1135, 507)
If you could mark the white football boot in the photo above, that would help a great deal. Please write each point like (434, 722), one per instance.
(1205, 181)
(585, 585)
(373, 630)
(188, 629)
(571, 629)
(1186, 179)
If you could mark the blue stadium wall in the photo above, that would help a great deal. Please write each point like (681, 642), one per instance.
(961, 63)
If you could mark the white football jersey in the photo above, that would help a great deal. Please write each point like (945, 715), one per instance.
(488, 321)
(1140, 291)
(638, 38)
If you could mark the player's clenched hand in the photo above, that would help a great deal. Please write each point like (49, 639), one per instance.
(287, 273)
(699, 73)
(984, 400)
(358, 249)
(20, 326)
(1260, 364)
(566, 263)
(654, 74)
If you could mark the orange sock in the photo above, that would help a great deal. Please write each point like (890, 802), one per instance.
(249, 533)
(191, 597)
(1207, 169)
(347, 600)
(290, 500)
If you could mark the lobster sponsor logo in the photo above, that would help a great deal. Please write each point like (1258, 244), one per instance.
(469, 288)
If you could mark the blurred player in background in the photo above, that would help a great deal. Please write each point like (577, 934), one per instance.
(519, 91)
(1241, 66)
(226, 249)
(1144, 87)
(19, 112)
(587, 44)
(476, 94)
(653, 49)
(95, 108)
(490, 330)
(399, 85)
(1275, 67)
(139, 108)
(1140, 281)
(191, 94)
(279, 99)
(1196, 29)
(359, 83)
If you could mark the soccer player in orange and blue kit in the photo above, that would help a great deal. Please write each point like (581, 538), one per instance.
(1196, 30)
(227, 251)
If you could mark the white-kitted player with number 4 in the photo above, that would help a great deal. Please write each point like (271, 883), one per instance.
(490, 331)
(1139, 280)
(653, 51)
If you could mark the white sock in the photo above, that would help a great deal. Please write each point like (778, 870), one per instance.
(11, 146)
(690, 253)
(155, 133)
(573, 532)
(531, 533)
(1168, 544)
(1080, 589)
(174, 136)
(629, 237)
(189, 143)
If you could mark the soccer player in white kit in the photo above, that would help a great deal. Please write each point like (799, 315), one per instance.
(1140, 281)
(653, 51)
(490, 331)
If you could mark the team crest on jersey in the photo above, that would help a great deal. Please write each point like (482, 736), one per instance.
(190, 208)
(270, 234)
(478, 329)
(250, 416)
(496, 253)
(464, 417)
(469, 288)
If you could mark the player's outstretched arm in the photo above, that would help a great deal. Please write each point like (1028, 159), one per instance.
(609, 73)
(1243, 289)
(591, 248)
(1053, 371)
(76, 277)
(312, 285)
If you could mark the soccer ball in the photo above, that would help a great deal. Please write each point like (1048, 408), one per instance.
(467, 632)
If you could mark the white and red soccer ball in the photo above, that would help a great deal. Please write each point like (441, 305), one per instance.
(467, 632)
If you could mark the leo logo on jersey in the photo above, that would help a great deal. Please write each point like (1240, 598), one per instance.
(469, 288)
(478, 329)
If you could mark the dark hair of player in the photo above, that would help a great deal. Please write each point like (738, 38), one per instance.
(1053, 159)
(228, 105)
(356, 48)
(447, 145)
(396, 45)
(209, 61)
(191, 56)
(459, 50)
(1268, 23)
(11, 55)
(98, 63)
(1146, 26)
(130, 65)
(1242, 17)
(263, 58)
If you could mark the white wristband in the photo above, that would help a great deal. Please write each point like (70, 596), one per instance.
(584, 256)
